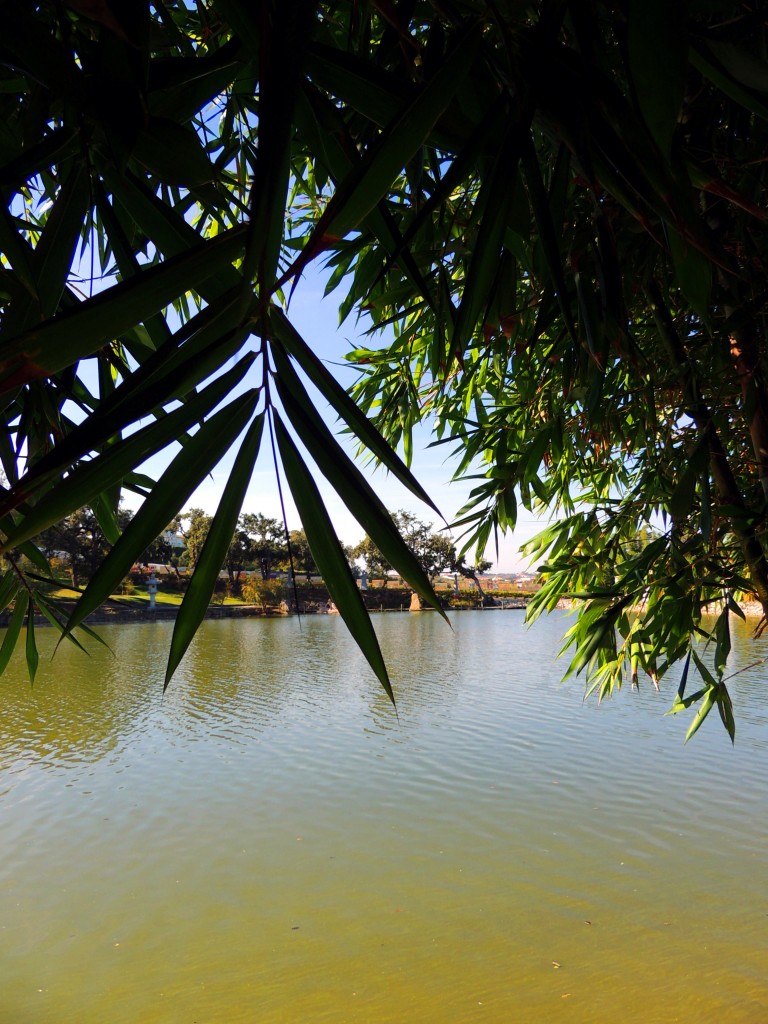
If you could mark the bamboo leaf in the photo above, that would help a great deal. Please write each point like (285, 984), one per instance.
(684, 677)
(658, 62)
(372, 178)
(33, 658)
(348, 482)
(495, 199)
(8, 589)
(55, 250)
(54, 147)
(47, 609)
(693, 271)
(329, 556)
(725, 709)
(708, 702)
(191, 354)
(82, 331)
(91, 478)
(723, 640)
(196, 459)
(198, 594)
(729, 86)
(280, 70)
(343, 406)
(13, 631)
(549, 236)
(174, 153)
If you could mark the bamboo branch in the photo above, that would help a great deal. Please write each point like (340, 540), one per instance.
(726, 484)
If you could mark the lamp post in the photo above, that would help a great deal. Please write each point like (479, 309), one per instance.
(152, 590)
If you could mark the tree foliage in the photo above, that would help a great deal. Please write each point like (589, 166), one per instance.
(301, 558)
(556, 210)
(80, 543)
(434, 551)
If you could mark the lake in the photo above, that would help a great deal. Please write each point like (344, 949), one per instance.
(269, 842)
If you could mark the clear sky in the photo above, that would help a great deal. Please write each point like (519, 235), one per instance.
(317, 320)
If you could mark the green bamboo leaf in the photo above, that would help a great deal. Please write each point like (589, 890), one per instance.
(170, 232)
(722, 640)
(372, 178)
(8, 589)
(82, 331)
(684, 677)
(198, 594)
(693, 271)
(48, 610)
(329, 556)
(736, 608)
(379, 97)
(683, 703)
(164, 225)
(280, 69)
(173, 153)
(55, 250)
(92, 477)
(706, 675)
(47, 58)
(196, 459)
(726, 83)
(52, 609)
(494, 201)
(531, 461)
(33, 658)
(191, 354)
(348, 482)
(682, 497)
(595, 633)
(13, 631)
(53, 148)
(343, 406)
(243, 18)
(157, 330)
(18, 252)
(183, 86)
(708, 702)
(657, 48)
(549, 236)
(743, 65)
(36, 557)
(725, 709)
(320, 121)
(103, 509)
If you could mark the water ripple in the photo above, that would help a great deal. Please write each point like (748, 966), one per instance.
(305, 853)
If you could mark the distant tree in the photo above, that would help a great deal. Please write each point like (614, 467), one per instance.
(161, 551)
(266, 593)
(240, 554)
(376, 565)
(195, 526)
(267, 539)
(471, 572)
(81, 542)
(434, 551)
(301, 553)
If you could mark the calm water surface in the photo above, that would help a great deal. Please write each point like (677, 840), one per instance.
(269, 843)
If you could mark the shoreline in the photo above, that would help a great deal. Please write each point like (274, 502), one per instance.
(116, 615)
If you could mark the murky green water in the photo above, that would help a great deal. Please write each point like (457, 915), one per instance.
(268, 843)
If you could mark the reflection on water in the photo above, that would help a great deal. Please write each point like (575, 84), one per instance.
(270, 842)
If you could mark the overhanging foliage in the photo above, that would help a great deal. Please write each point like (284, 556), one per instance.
(558, 209)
